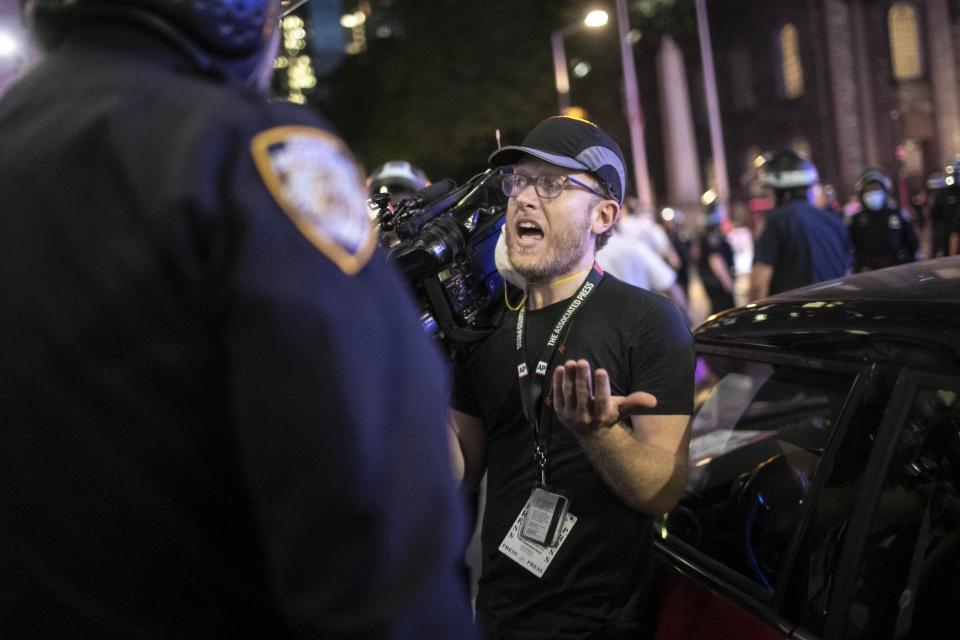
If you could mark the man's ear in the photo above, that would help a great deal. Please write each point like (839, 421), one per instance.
(605, 216)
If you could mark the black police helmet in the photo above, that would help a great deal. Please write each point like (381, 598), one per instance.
(786, 170)
(234, 33)
(396, 175)
(873, 175)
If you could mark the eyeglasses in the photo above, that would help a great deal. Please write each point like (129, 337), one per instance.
(546, 186)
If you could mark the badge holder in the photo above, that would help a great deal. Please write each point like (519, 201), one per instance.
(545, 514)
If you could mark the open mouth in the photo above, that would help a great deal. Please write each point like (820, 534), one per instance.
(529, 230)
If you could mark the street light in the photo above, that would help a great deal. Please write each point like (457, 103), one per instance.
(593, 20)
(599, 18)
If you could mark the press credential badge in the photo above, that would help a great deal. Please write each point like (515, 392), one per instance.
(544, 518)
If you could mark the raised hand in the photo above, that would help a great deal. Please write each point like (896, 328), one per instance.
(583, 402)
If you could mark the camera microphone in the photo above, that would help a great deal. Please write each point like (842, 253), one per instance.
(433, 193)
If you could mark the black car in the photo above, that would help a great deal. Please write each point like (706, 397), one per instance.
(824, 490)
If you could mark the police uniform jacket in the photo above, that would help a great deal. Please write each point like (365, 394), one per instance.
(218, 416)
(945, 214)
(881, 239)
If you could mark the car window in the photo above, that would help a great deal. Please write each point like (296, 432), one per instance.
(813, 571)
(757, 438)
(908, 583)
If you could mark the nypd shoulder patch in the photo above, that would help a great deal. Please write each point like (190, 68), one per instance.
(312, 176)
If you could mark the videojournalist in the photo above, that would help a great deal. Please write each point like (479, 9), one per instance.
(189, 300)
(577, 406)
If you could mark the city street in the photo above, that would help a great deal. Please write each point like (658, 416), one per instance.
(512, 320)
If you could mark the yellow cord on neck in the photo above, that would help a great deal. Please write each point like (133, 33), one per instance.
(572, 276)
(506, 299)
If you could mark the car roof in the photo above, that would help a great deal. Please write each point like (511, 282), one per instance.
(933, 280)
(906, 313)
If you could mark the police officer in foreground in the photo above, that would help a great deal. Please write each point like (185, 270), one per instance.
(800, 244)
(881, 235)
(219, 416)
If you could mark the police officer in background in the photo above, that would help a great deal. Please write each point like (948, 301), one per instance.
(715, 262)
(945, 213)
(398, 178)
(881, 235)
(219, 415)
(800, 244)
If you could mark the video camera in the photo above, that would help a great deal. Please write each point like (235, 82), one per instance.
(443, 238)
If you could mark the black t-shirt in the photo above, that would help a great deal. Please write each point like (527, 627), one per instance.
(601, 572)
(804, 245)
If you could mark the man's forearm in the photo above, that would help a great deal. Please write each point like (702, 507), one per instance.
(760, 278)
(645, 477)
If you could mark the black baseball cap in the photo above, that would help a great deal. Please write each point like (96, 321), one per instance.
(572, 143)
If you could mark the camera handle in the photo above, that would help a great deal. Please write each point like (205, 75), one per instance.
(444, 316)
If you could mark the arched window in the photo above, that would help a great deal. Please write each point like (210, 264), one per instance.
(904, 41)
(791, 66)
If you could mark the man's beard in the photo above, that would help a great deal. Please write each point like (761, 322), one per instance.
(565, 250)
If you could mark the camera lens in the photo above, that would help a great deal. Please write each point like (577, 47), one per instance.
(436, 246)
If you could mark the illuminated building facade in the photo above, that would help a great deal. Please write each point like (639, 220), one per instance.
(851, 83)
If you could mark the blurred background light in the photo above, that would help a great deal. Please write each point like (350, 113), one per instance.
(580, 68)
(8, 46)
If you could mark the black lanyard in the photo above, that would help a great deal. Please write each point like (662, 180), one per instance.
(531, 386)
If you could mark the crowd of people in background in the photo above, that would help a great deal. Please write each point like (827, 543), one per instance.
(713, 249)
(703, 260)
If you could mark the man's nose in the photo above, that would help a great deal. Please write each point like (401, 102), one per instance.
(528, 195)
